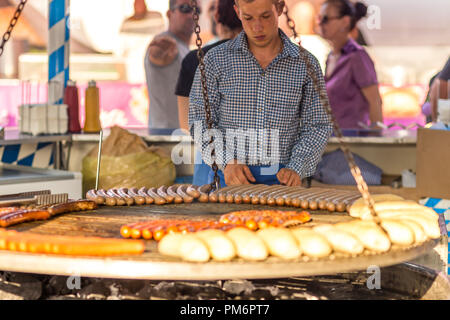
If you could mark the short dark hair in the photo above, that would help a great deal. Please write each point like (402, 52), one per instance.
(275, 2)
(227, 15)
(355, 11)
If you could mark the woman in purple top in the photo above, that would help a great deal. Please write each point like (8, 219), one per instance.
(350, 75)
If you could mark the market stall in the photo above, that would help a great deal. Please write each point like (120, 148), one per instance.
(178, 231)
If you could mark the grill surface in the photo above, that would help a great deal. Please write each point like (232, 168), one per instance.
(106, 222)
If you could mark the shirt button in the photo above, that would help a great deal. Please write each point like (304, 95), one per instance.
(263, 74)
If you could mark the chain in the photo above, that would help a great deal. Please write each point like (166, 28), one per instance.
(200, 54)
(354, 169)
(12, 24)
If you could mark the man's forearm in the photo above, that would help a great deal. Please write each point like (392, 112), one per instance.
(308, 151)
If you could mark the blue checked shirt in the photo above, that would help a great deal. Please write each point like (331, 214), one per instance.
(276, 111)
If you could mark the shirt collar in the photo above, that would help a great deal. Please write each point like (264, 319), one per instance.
(350, 46)
(289, 48)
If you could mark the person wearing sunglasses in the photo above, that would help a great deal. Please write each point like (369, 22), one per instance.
(163, 62)
(350, 74)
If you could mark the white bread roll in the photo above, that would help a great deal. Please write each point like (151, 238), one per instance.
(368, 233)
(388, 208)
(430, 226)
(419, 234)
(359, 205)
(398, 232)
(312, 243)
(193, 249)
(170, 244)
(280, 242)
(219, 245)
(248, 245)
(340, 241)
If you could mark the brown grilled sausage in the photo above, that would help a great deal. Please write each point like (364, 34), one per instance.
(109, 201)
(276, 197)
(143, 193)
(21, 216)
(181, 191)
(324, 199)
(193, 191)
(92, 195)
(138, 199)
(237, 195)
(246, 195)
(263, 196)
(291, 194)
(153, 193)
(308, 200)
(123, 192)
(204, 193)
(254, 195)
(113, 193)
(172, 191)
(162, 192)
(222, 193)
(72, 206)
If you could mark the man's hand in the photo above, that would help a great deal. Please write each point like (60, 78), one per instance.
(163, 50)
(236, 173)
(289, 177)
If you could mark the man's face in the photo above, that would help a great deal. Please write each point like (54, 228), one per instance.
(181, 22)
(259, 20)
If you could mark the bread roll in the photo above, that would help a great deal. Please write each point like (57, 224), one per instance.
(430, 226)
(312, 243)
(193, 249)
(280, 242)
(398, 232)
(170, 244)
(359, 205)
(388, 208)
(248, 245)
(419, 234)
(340, 241)
(368, 233)
(219, 245)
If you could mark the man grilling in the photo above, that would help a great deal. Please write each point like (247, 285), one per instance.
(270, 125)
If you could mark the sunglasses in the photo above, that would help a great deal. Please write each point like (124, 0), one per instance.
(326, 19)
(186, 8)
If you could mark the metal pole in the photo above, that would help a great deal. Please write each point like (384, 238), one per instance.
(99, 157)
(58, 48)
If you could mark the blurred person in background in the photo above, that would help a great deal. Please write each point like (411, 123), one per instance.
(439, 89)
(143, 20)
(228, 26)
(350, 75)
(163, 63)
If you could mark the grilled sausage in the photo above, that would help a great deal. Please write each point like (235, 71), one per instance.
(109, 200)
(72, 206)
(21, 216)
(92, 195)
(152, 192)
(123, 192)
(193, 191)
(138, 199)
(181, 191)
(162, 192)
(119, 200)
(172, 191)
(143, 193)
(204, 193)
